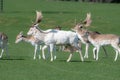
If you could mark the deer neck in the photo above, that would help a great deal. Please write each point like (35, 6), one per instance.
(93, 35)
(40, 35)
(81, 35)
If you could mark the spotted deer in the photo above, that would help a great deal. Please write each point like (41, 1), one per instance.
(30, 39)
(98, 40)
(81, 30)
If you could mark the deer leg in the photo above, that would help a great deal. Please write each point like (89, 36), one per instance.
(60, 48)
(51, 51)
(71, 53)
(43, 51)
(105, 51)
(117, 49)
(7, 53)
(116, 55)
(40, 47)
(1, 53)
(86, 51)
(38, 52)
(94, 52)
(35, 51)
(55, 52)
(80, 52)
(98, 48)
(70, 56)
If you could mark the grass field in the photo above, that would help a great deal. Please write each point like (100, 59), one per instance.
(17, 16)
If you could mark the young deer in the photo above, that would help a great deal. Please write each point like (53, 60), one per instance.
(3, 43)
(29, 39)
(98, 40)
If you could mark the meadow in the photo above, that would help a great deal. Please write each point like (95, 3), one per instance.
(18, 16)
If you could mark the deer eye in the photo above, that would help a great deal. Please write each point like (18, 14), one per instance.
(81, 26)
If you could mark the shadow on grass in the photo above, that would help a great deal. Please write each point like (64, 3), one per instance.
(76, 61)
(12, 59)
(81, 61)
(19, 58)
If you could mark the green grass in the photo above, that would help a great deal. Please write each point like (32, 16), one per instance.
(17, 16)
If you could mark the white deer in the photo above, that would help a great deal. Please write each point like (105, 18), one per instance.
(55, 37)
(29, 39)
(3, 43)
(80, 31)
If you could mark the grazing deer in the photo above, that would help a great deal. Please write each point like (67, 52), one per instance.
(81, 32)
(55, 37)
(3, 43)
(29, 39)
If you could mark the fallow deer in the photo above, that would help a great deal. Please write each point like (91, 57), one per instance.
(98, 40)
(3, 43)
(30, 39)
(81, 32)
(55, 37)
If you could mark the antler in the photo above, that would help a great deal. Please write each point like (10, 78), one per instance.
(38, 17)
(88, 20)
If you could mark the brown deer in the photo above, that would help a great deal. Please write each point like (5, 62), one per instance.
(81, 30)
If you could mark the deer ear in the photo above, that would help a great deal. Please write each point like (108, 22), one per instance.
(87, 21)
(21, 33)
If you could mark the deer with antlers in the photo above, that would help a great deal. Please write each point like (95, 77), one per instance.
(55, 37)
(98, 40)
(79, 29)
(3, 43)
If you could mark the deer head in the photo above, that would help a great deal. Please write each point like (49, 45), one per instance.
(19, 37)
(83, 24)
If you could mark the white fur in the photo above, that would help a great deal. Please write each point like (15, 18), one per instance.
(56, 37)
